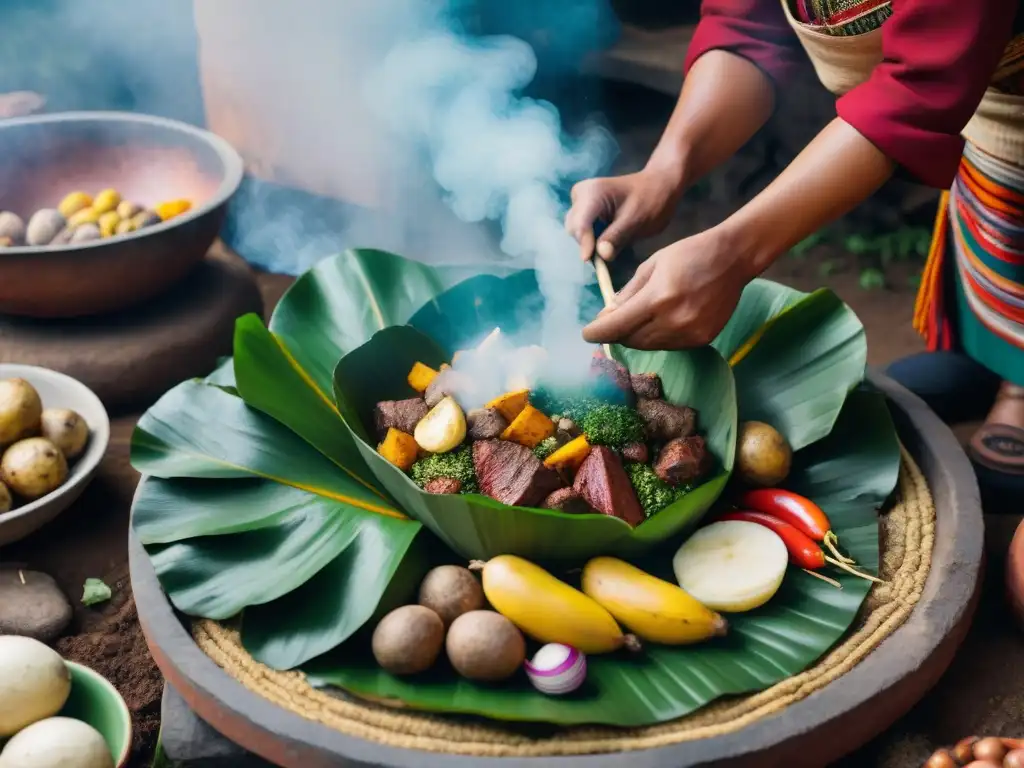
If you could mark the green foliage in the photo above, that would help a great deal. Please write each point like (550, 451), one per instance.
(653, 492)
(612, 425)
(572, 404)
(545, 447)
(457, 465)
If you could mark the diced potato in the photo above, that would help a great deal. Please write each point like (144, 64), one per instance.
(510, 404)
(420, 376)
(443, 428)
(399, 448)
(569, 456)
(529, 427)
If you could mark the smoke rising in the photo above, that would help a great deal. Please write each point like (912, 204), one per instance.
(394, 95)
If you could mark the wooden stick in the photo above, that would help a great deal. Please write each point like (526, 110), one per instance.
(604, 282)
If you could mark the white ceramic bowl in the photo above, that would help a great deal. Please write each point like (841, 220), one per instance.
(58, 391)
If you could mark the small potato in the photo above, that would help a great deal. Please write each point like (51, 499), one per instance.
(66, 429)
(763, 457)
(107, 200)
(33, 468)
(6, 502)
(73, 203)
(84, 216)
(124, 227)
(11, 226)
(408, 640)
(108, 223)
(85, 233)
(21, 411)
(44, 226)
(450, 591)
(146, 219)
(484, 645)
(126, 209)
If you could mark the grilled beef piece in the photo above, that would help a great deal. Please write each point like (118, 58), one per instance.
(448, 382)
(665, 421)
(511, 474)
(646, 385)
(400, 414)
(635, 452)
(683, 461)
(604, 485)
(567, 500)
(485, 424)
(443, 485)
(613, 379)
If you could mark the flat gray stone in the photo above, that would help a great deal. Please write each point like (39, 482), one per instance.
(32, 604)
(190, 743)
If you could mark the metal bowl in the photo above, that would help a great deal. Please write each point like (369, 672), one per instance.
(146, 159)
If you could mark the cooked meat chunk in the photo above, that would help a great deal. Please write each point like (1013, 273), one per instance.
(683, 461)
(604, 485)
(403, 415)
(485, 423)
(647, 385)
(567, 500)
(443, 485)
(512, 474)
(665, 421)
(636, 452)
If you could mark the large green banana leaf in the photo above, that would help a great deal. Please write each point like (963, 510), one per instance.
(223, 541)
(478, 527)
(810, 351)
(850, 476)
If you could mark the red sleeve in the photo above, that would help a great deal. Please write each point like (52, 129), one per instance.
(939, 56)
(757, 30)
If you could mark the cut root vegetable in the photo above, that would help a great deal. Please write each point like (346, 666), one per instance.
(529, 428)
(443, 428)
(420, 376)
(731, 566)
(510, 404)
(570, 456)
(399, 448)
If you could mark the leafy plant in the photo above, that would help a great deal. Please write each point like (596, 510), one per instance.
(263, 496)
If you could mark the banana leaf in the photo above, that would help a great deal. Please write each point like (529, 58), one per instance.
(850, 476)
(477, 527)
(808, 352)
(238, 512)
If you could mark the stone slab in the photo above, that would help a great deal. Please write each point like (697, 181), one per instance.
(190, 743)
(129, 359)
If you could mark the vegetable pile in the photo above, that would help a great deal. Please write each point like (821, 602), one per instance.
(614, 446)
(81, 218)
(36, 444)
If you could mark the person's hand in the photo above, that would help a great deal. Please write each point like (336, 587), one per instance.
(679, 298)
(637, 205)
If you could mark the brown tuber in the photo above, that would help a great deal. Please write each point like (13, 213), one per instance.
(941, 759)
(964, 749)
(1014, 759)
(408, 640)
(450, 591)
(991, 749)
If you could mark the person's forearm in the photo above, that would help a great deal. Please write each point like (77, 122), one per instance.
(725, 100)
(836, 172)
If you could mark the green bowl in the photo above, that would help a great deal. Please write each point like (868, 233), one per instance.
(95, 701)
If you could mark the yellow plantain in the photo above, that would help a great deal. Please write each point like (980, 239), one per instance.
(547, 609)
(653, 609)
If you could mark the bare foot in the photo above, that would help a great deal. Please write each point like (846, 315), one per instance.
(999, 443)
(20, 103)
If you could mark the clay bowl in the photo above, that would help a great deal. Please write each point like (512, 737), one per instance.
(146, 159)
(95, 701)
(58, 391)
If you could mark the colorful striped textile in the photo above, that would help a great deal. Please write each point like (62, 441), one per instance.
(980, 227)
(842, 18)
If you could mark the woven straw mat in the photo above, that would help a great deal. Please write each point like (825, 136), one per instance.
(906, 530)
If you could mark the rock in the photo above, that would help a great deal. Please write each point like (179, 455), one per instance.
(32, 604)
(190, 743)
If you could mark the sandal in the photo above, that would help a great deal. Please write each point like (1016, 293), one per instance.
(999, 446)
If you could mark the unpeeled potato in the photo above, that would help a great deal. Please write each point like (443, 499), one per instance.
(763, 457)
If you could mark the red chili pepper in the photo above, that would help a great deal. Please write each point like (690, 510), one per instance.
(803, 550)
(800, 512)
